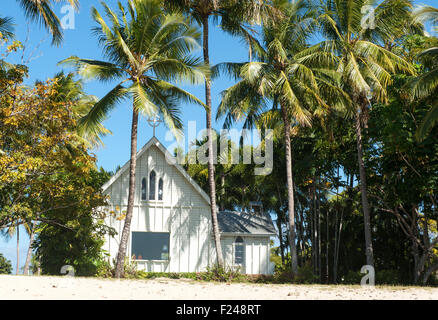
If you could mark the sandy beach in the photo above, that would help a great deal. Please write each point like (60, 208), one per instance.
(67, 288)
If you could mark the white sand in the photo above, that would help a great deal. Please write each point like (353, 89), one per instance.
(63, 288)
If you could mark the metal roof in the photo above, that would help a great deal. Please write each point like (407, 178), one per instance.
(245, 223)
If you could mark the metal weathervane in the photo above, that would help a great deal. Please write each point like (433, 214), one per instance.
(154, 122)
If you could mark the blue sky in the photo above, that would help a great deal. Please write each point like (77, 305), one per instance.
(81, 43)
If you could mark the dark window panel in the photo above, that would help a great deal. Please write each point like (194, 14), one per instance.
(152, 178)
(150, 245)
(160, 189)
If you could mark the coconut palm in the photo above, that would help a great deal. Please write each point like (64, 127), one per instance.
(366, 66)
(146, 50)
(71, 90)
(426, 84)
(6, 27)
(233, 14)
(41, 11)
(292, 83)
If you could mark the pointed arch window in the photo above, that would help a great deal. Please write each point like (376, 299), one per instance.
(152, 180)
(239, 251)
(143, 189)
(160, 189)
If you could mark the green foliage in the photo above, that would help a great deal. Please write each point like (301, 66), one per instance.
(77, 237)
(5, 265)
(352, 277)
(389, 277)
(222, 274)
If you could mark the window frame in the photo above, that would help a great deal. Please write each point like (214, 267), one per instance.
(160, 188)
(241, 244)
(154, 189)
(144, 185)
(145, 260)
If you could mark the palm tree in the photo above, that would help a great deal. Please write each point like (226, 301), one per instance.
(146, 49)
(234, 14)
(6, 27)
(41, 12)
(426, 84)
(71, 90)
(15, 230)
(294, 83)
(365, 64)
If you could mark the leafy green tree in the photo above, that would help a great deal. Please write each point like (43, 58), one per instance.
(5, 265)
(147, 49)
(78, 236)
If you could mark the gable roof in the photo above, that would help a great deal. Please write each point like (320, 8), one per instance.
(234, 222)
(155, 142)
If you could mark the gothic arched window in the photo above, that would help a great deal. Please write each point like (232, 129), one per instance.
(160, 189)
(152, 178)
(143, 189)
(239, 251)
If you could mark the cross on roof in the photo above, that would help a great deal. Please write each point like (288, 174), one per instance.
(154, 122)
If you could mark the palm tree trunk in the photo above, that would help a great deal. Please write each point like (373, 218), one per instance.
(119, 272)
(222, 204)
(18, 249)
(211, 181)
(364, 195)
(290, 191)
(29, 251)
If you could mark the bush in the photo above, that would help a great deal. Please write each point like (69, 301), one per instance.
(283, 274)
(104, 269)
(352, 277)
(5, 265)
(222, 274)
(387, 277)
(305, 275)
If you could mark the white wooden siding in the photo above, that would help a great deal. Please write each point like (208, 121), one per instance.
(184, 213)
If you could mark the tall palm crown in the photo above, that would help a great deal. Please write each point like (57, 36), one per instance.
(147, 51)
(426, 84)
(41, 11)
(360, 42)
(282, 75)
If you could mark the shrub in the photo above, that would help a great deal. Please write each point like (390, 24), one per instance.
(352, 277)
(387, 277)
(5, 265)
(104, 269)
(283, 274)
(222, 274)
(305, 275)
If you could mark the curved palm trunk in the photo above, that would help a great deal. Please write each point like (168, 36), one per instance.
(211, 181)
(119, 272)
(364, 195)
(290, 191)
(29, 251)
(18, 249)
